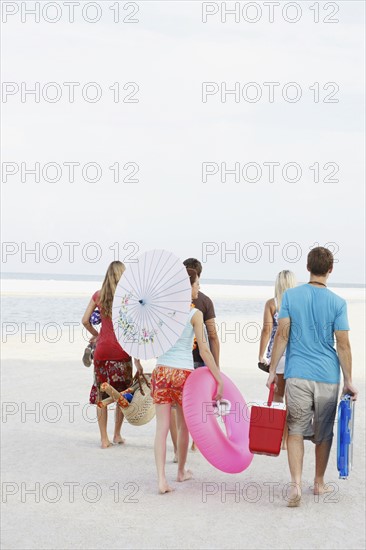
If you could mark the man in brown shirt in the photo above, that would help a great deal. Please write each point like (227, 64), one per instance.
(205, 304)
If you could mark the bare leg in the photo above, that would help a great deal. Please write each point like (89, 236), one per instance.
(162, 429)
(183, 441)
(322, 451)
(102, 415)
(174, 432)
(295, 452)
(279, 398)
(280, 390)
(118, 420)
(284, 438)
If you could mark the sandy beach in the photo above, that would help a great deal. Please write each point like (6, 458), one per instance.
(61, 491)
(151, 133)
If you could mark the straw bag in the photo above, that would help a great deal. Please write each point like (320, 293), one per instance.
(141, 409)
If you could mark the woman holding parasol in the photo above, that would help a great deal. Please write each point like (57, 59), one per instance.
(168, 378)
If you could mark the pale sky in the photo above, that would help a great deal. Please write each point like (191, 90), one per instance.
(170, 132)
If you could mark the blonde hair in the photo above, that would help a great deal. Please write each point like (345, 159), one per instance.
(113, 275)
(284, 280)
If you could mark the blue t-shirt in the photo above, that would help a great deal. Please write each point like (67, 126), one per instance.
(315, 313)
(180, 355)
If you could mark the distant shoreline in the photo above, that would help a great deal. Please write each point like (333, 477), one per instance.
(81, 277)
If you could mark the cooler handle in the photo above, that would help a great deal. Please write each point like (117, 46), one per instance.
(271, 394)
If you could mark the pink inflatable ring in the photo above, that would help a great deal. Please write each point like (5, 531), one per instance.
(227, 452)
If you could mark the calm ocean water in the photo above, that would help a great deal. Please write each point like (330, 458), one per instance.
(52, 309)
(69, 309)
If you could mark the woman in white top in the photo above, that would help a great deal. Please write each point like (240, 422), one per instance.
(168, 379)
(285, 279)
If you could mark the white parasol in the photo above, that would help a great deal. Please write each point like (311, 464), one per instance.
(151, 304)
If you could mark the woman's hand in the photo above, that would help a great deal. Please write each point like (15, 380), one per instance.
(220, 391)
(93, 339)
(263, 360)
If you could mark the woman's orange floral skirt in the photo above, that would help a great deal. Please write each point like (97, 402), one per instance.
(167, 385)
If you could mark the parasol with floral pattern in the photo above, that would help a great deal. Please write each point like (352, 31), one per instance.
(151, 304)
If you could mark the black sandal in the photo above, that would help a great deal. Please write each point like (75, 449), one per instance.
(263, 367)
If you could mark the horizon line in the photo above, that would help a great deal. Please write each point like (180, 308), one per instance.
(13, 274)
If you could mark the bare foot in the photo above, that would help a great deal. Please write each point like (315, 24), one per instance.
(118, 440)
(294, 498)
(105, 443)
(193, 447)
(321, 489)
(294, 502)
(165, 488)
(185, 475)
(175, 459)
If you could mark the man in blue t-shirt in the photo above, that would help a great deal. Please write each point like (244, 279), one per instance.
(310, 316)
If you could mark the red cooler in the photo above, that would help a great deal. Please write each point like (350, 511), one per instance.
(267, 422)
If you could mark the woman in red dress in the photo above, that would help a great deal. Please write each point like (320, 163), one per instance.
(111, 363)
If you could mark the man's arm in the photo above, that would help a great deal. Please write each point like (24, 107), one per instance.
(279, 346)
(213, 340)
(345, 359)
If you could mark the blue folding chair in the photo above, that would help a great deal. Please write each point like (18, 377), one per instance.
(346, 420)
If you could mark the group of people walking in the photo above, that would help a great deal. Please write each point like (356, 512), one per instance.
(296, 348)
